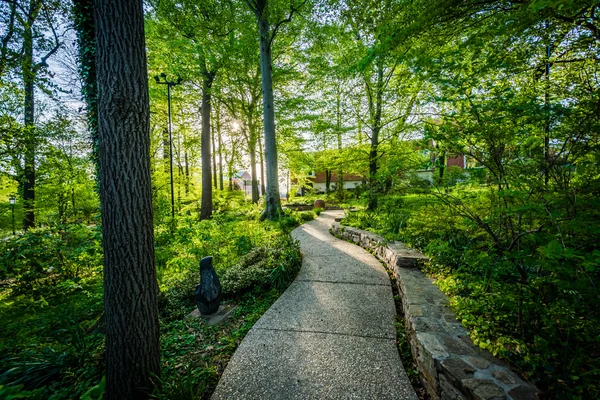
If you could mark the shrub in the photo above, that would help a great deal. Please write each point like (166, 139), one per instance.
(273, 266)
(47, 255)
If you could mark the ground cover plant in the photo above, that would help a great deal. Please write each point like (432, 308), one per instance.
(536, 305)
(52, 301)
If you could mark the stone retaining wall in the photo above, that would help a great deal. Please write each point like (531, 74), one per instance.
(450, 366)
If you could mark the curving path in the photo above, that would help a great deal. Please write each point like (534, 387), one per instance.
(330, 335)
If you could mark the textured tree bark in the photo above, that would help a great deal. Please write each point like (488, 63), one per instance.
(130, 286)
(29, 114)
(272, 201)
(206, 205)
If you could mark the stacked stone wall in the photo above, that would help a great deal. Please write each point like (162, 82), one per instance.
(450, 366)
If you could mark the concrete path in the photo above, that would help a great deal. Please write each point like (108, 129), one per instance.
(330, 335)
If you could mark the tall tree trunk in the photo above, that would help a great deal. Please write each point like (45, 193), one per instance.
(187, 171)
(327, 181)
(220, 141)
(230, 174)
(340, 172)
(83, 13)
(442, 165)
(262, 166)
(214, 157)
(547, 111)
(166, 150)
(376, 121)
(273, 201)
(30, 134)
(252, 150)
(130, 286)
(206, 207)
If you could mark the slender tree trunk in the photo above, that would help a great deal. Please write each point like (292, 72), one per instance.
(252, 148)
(359, 128)
(262, 166)
(220, 141)
(206, 207)
(327, 181)
(442, 164)
(130, 286)
(547, 122)
(272, 201)
(83, 13)
(30, 135)
(376, 120)
(166, 150)
(340, 172)
(187, 171)
(230, 173)
(214, 157)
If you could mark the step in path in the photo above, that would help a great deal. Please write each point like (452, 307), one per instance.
(331, 334)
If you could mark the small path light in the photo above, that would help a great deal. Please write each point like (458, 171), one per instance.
(12, 200)
(169, 85)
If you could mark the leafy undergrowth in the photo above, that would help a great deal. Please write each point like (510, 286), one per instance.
(535, 304)
(51, 302)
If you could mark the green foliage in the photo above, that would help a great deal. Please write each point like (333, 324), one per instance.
(49, 256)
(17, 392)
(533, 305)
(274, 266)
(52, 340)
(95, 392)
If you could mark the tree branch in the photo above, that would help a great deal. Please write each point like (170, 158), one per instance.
(285, 21)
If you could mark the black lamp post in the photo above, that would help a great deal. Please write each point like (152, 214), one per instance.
(169, 85)
(12, 200)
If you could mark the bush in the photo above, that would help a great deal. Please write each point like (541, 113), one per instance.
(266, 267)
(48, 255)
(534, 304)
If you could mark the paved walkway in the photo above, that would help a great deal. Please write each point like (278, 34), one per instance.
(330, 335)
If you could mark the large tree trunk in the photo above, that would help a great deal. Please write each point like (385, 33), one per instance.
(206, 207)
(130, 286)
(30, 136)
(273, 201)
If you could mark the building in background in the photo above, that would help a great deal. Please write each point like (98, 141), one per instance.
(316, 182)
